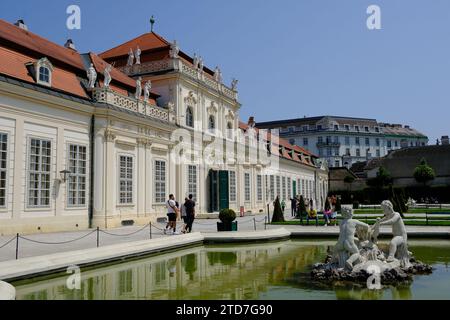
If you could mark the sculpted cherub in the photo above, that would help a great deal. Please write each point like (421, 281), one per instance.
(346, 245)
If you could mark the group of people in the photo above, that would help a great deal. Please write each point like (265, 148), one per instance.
(329, 214)
(174, 212)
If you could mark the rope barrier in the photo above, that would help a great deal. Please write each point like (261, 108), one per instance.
(58, 243)
(127, 234)
(8, 243)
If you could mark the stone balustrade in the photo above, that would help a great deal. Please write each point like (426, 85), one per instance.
(184, 68)
(104, 95)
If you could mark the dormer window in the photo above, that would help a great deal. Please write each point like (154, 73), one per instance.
(44, 70)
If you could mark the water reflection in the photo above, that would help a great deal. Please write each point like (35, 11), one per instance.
(268, 271)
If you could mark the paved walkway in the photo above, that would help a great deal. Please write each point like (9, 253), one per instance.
(43, 244)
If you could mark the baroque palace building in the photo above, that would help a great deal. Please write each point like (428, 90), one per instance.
(92, 140)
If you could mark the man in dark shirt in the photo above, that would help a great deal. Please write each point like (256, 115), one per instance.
(294, 207)
(190, 213)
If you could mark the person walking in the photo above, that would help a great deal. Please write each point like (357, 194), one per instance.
(293, 207)
(172, 214)
(190, 212)
(283, 205)
(184, 216)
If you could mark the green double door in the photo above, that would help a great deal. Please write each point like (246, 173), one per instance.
(218, 190)
(294, 189)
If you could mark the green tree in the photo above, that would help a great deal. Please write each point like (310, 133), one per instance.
(277, 212)
(382, 179)
(301, 208)
(348, 180)
(424, 173)
(338, 206)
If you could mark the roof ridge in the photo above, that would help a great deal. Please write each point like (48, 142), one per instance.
(134, 39)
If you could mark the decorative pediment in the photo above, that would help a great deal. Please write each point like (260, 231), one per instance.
(190, 99)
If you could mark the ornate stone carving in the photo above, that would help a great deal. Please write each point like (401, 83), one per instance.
(174, 50)
(92, 76)
(138, 93)
(138, 55)
(130, 61)
(190, 99)
(109, 135)
(147, 88)
(107, 75)
(212, 109)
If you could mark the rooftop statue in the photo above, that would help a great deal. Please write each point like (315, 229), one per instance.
(200, 64)
(107, 75)
(147, 88)
(130, 61)
(174, 50)
(138, 88)
(195, 62)
(234, 84)
(92, 76)
(137, 54)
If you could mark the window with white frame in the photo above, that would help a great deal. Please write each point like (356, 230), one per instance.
(44, 70)
(278, 186)
(39, 169)
(160, 181)
(189, 117)
(259, 187)
(77, 180)
(247, 188)
(192, 181)
(272, 187)
(283, 188)
(125, 179)
(289, 190)
(3, 167)
(232, 186)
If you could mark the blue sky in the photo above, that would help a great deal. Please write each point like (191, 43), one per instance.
(292, 57)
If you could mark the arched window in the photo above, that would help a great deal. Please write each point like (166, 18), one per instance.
(43, 69)
(189, 117)
(229, 130)
(44, 74)
(211, 123)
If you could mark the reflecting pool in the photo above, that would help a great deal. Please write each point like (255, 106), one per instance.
(270, 271)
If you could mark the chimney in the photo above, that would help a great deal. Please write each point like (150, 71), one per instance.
(251, 122)
(70, 45)
(21, 24)
(445, 140)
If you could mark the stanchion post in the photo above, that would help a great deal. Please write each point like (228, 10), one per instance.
(265, 223)
(98, 237)
(17, 246)
(254, 223)
(150, 226)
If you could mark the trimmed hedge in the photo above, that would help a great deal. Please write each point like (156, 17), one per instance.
(377, 195)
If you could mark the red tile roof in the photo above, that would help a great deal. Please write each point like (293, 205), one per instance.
(39, 46)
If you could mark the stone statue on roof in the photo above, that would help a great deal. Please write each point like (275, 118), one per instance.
(174, 49)
(130, 58)
(195, 62)
(234, 84)
(200, 64)
(147, 88)
(138, 55)
(138, 88)
(92, 76)
(107, 75)
(218, 75)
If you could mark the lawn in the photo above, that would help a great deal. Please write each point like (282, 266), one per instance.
(407, 222)
(379, 211)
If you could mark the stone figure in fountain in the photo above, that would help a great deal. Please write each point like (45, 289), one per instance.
(357, 255)
(346, 250)
(398, 248)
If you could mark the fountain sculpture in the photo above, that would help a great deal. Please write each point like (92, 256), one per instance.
(358, 257)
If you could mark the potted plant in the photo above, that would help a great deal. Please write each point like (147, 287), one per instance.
(227, 217)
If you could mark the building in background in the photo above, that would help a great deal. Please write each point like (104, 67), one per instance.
(343, 141)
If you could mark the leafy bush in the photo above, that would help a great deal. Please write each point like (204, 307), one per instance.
(227, 215)
(278, 215)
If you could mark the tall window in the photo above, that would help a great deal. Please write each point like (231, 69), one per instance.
(192, 181)
(347, 141)
(3, 167)
(232, 186)
(278, 186)
(229, 130)
(367, 142)
(307, 189)
(211, 123)
(358, 152)
(77, 178)
(272, 187)
(303, 188)
(357, 141)
(267, 187)
(247, 187)
(259, 187)
(283, 187)
(289, 191)
(305, 141)
(39, 173)
(189, 117)
(125, 179)
(160, 181)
